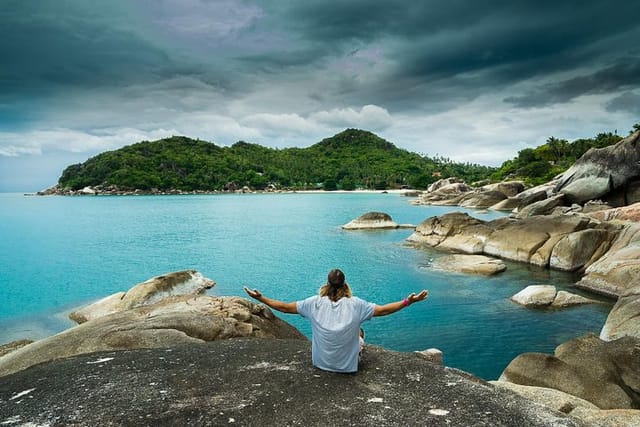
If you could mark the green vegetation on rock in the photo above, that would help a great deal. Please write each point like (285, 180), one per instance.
(541, 164)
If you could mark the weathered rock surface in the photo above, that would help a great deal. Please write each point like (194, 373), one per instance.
(626, 213)
(606, 374)
(470, 264)
(258, 382)
(508, 188)
(13, 346)
(373, 221)
(601, 171)
(577, 250)
(541, 207)
(568, 299)
(624, 317)
(187, 282)
(455, 231)
(481, 199)
(608, 418)
(172, 321)
(619, 268)
(535, 296)
(574, 406)
(555, 399)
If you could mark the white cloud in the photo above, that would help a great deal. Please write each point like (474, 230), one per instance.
(370, 117)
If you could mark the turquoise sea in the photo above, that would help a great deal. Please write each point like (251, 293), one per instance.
(57, 253)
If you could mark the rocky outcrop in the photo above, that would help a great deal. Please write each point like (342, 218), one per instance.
(452, 191)
(374, 221)
(187, 282)
(619, 268)
(532, 240)
(172, 321)
(624, 317)
(470, 264)
(258, 382)
(456, 231)
(602, 171)
(548, 296)
(606, 374)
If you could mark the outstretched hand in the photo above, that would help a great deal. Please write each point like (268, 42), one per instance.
(415, 298)
(253, 293)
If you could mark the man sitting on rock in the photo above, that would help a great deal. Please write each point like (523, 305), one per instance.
(336, 317)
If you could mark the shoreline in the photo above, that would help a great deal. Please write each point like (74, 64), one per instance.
(93, 192)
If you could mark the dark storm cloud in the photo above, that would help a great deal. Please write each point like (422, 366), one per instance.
(52, 46)
(627, 102)
(624, 74)
(466, 48)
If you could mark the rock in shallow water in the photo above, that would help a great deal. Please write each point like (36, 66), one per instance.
(470, 264)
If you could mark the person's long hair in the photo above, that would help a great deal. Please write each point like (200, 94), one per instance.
(336, 286)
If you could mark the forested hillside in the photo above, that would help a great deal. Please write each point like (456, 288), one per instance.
(349, 160)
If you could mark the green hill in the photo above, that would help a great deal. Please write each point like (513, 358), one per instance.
(351, 159)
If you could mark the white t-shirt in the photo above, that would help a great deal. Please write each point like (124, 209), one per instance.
(335, 328)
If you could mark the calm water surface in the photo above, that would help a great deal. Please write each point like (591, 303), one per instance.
(57, 253)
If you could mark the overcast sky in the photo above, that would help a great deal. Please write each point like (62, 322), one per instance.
(474, 81)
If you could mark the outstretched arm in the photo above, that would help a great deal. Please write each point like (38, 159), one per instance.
(285, 307)
(392, 307)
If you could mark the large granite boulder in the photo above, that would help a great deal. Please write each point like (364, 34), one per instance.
(454, 231)
(576, 250)
(606, 374)
(172, 321)
(532, 239)
(535, 296)
(541, 207)
(187, 282)
(251, 382)
(470, 264)
(601, 171)
(619, 268)
(374, 221)
(481, 199)
(508, 188)
(624, 317)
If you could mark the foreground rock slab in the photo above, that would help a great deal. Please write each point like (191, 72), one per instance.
(249, 382)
